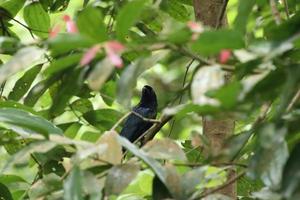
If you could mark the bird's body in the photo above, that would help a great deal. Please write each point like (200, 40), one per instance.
(135, 126)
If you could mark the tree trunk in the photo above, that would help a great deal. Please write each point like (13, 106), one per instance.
(216, 130)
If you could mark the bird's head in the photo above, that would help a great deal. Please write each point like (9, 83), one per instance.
(148, 97)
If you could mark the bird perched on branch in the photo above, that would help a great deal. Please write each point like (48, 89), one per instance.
(135, 125)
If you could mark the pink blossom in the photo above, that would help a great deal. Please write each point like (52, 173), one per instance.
(113, 50)
(54, 31)
(224, 56)
(90, 55)
(195, 27)
(71, 26)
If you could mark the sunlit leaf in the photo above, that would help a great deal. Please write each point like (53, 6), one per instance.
(37, 19)
(119, 177)
(22, 59)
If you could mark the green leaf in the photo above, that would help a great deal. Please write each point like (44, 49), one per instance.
(152, 163)
(176, 10)
(119, 177)
(82, 105)
(244, 10)
(100, 73)
(63, 63)
(283, 31)
(70, 87)
(13, 104)
(90, 136)
(127, 17)
(49, 184)
(164, 149)
(39, 89)
(24, 83)
(12, 7)
(90, 23)
(290, 183)
(212, 42)
(37, 19)
(108, 92)
(64, 43)
(26, 123)
(227, 95)
(72, 130)
(14, 144)
(22, 59)
(72, 186)
(103, 119)
(5, 193)
(9, 45)
(59, 5)
(159, 190)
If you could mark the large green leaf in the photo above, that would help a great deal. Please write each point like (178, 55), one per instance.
(119, 177)
(103, 119)
(152, 163)
(90, 23)
(290, 184)
(24, 83)
(12, 6)
(39, 89)
(64, 43)
(37, 19)
(244, 10)
(127, 16)
(72, 186)
(9, 45)
(5, 193)
(26, 123)
(212, 42)
(22, 59)
(70, 87)
(63, 63)
(175, 9)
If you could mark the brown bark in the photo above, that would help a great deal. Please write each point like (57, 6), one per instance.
(216, 130)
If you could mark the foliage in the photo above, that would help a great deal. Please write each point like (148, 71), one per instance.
(71, 69)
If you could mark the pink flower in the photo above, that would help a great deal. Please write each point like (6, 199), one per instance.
(113, 50)
(71, 26)
(90, 55)
(224, 56)
(195, 27)
(54, 31)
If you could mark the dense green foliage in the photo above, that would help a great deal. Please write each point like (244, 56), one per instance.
(64, 92)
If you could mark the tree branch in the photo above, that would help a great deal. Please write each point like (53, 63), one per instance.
(221, 14)
(293, 101)
(275, 12)
(230, 181)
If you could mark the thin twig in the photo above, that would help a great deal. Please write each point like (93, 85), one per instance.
(221, 14)
(150, 133)
(216, 165)
(275, 12)
(181, 94)
(120, 121)
(138, 115)
(144, 118)
(286, 8)
(293, 101)
(229, 182)
(261, 118)
(2, 88)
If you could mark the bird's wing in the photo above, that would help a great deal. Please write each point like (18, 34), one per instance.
(136, 126)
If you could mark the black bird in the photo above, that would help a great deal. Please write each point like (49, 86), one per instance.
(135, 126)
